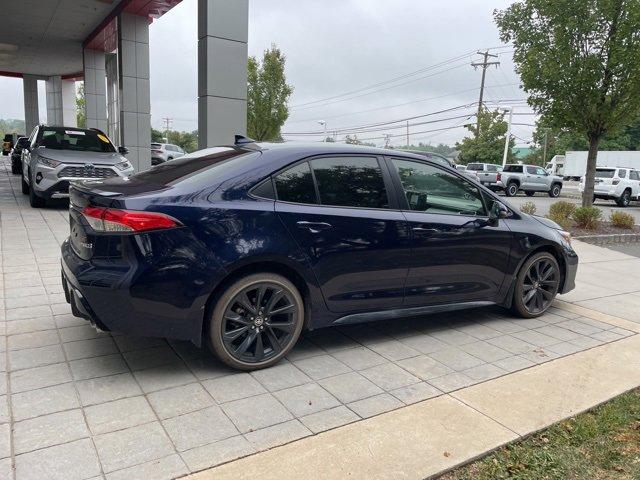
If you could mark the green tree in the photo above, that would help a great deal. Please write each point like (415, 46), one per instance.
(157, 136)
(81, 119)
(579, 62)
(488, 147)
(267, 96)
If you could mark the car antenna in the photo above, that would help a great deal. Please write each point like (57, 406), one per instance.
(242, 140)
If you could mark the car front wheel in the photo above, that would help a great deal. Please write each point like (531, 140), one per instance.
(512, 189)
(537, 285)
(256, 321)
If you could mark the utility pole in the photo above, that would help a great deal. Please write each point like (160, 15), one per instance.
(167, 126)
(408, 134)
(544, 149)
(484, 64)
(507, 138)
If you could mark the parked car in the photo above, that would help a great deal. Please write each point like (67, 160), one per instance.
(163, 152)
(487, 173)
(467, 173)
(16, 155)
(242, 246)
(528, 178)
(436, 157)
(57, 156)
(618, 184)
(8, 142)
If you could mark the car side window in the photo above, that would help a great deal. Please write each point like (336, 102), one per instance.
(622, 173)
(531, 170)
(296, 185)
(350, 182)
(633, 175)
(430, 189)
(541, 171)
(492, 168)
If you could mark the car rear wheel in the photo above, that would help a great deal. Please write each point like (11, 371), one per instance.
(555, 190)
(256, 321)
(512, 189)
(625, 199)
(15, 167)
(25, 186)
(537, 285)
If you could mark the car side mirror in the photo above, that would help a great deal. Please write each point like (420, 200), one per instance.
(498, 211)
(123, 150)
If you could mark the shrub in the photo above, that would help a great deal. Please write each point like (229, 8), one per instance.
(562, 210)
(528, 207)
(587, 217)
(622, 220)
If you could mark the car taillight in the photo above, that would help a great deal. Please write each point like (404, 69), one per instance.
(616, 181)
(498, 177)
(156, 151)
(114, 220)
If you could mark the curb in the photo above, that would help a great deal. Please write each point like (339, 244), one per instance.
(610, 239)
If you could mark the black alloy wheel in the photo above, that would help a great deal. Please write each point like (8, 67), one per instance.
(625, 199)
(257, 321)
(555, 190)
(512, 189)
(537, 285)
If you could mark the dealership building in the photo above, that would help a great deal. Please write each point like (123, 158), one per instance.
(106, 44)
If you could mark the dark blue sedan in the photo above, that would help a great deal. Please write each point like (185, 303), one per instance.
(243, 246)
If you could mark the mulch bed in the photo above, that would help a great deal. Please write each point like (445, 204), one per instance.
(604, 228)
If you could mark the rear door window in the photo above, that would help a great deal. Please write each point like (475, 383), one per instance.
(476, 167)
(512, 169)
(350, 182)
(633, 175)
(531, 170)
(296, 184)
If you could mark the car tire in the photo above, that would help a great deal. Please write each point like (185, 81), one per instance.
(25, 186)
(530, 194)
(625, 199)
(556, 188)
(15, 168)
(540, 273)
(236, 321)
(35, 200)
(511, 190)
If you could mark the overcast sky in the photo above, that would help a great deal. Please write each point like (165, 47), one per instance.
(338, 46)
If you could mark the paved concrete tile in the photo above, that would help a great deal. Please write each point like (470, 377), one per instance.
(304, 348)
(6, 469)
(359, 358)
(389, 376)
(179, 400)
(579, 327)
(127, 343)
(456, 359)
(233, 387)
(81, 332)
(132, 446)
(106, 389)
(452, 381)
(24, 291)
(280, 376)
(484, 372)
(503, 326)
(43, 401)
(254, 413)
(4, 409)
(167, 376)
(280, 434)
(166, 468)
(485, 351)
(48, 430)
(35, 357)
(424, 367)
(586, 342)
(90, 348)
(392, 349)
(560, 333)
(306, 399)
(68, 320)
(607, 336)
(331, 340)
(32, 339)
(514, 363)
(536, 338)
(119, 414)
(328, 419)
(350, 387)
(5, 440)
(28, 312)
(371, 406)
(151, 357)
(424, 343)
(564, 348)
(511, 344)
(98, 366)
(530, 323)
(322, 366)
(71, 461)
(540, 355)
(30, 325)
(479, 331)
(208, 367)
(216, 453)
(416, 392)
(40, 377)
(199, 428)
(452, 337)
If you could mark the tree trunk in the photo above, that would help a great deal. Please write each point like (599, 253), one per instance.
(592, 157)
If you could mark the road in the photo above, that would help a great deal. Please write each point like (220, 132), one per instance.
(543, 202)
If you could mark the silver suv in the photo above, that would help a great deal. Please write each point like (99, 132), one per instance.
(163, 152)
(56, 156)
(528, 178)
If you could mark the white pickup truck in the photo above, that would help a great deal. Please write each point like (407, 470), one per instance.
(530, 179)
(486, 173)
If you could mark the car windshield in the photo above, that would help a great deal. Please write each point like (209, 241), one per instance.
(477, 167)
(605, 172)
(75, 139)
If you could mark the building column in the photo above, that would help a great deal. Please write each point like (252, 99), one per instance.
(61, 102)
(222, 70)
(133, 79)
(31, 116)
(95, 90)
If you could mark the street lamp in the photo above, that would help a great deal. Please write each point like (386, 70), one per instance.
(508, 136)
(324, 124)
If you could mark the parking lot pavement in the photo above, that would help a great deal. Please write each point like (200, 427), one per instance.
(543, 202)
(75, 403)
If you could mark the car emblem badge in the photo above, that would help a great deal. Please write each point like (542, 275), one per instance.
(89, 166)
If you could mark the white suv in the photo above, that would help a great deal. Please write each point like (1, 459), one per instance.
(619, 184)
(163, 152)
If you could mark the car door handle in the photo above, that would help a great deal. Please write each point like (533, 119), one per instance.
(314, 227)
(425, 230)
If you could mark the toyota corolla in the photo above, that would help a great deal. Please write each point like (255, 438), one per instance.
(242, 247)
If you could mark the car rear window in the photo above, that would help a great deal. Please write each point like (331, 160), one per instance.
(476, 167)
(296, 185)
(75, 139)
(512, 168)
(605, 172)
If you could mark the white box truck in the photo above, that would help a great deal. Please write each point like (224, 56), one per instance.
(575, 163)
